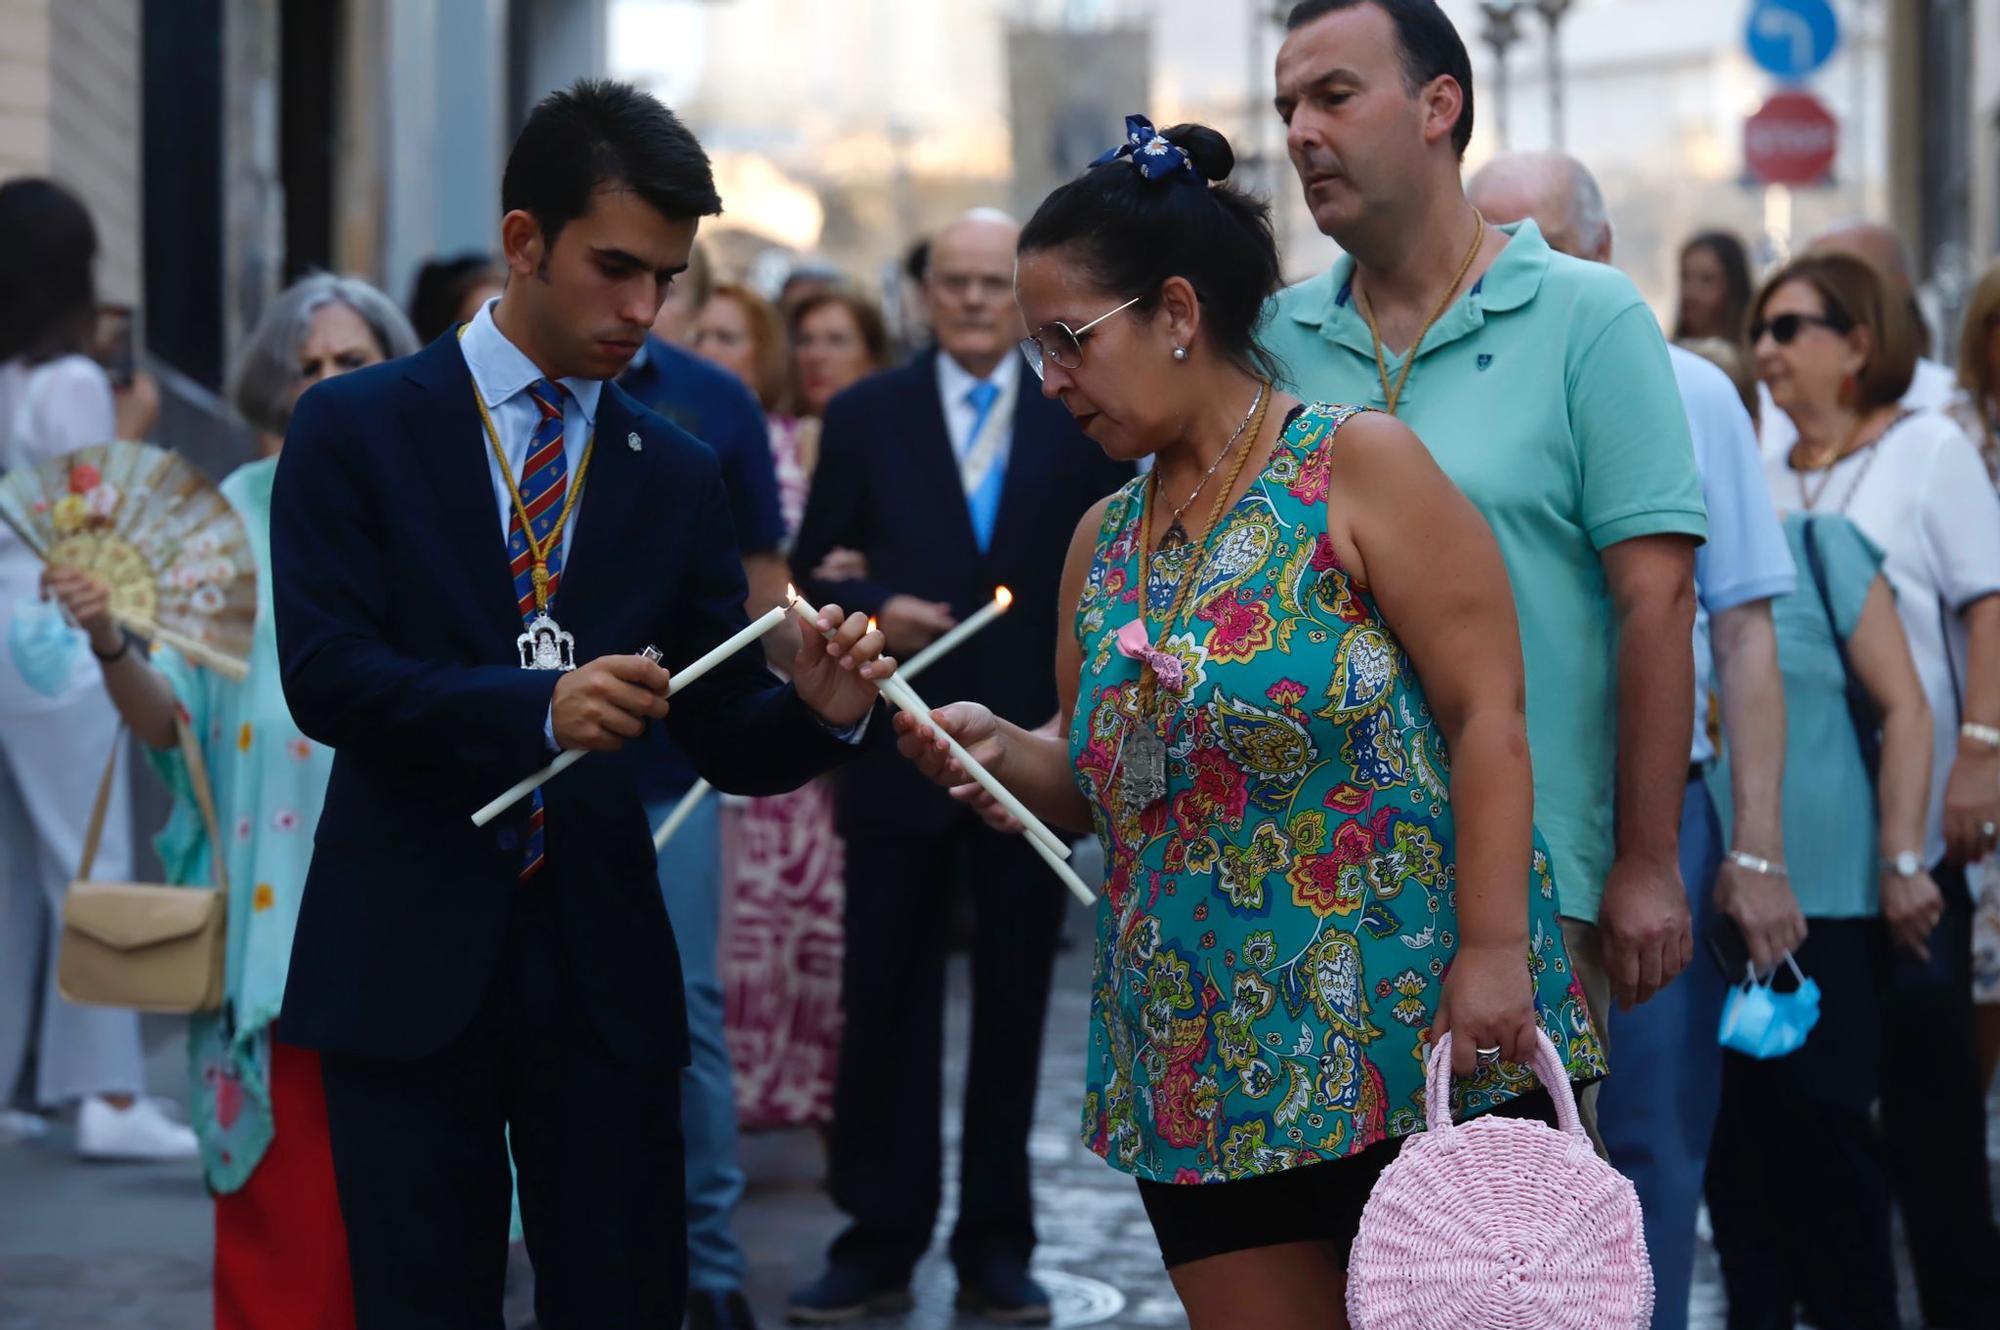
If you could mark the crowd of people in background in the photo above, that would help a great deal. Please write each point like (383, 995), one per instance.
(1836, 831)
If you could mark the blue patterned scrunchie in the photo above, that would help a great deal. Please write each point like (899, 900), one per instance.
(1156, 158)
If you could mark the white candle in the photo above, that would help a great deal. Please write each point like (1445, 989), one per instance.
(679, 680)
(917, 664)
(908, 700)
(1052, 851)
(682, 811)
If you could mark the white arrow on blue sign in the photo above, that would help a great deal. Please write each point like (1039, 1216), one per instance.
(1791, 38)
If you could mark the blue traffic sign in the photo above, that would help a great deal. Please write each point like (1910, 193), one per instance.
(1791, 38)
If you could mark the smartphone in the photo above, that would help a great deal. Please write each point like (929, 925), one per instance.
(113, 348)
(1726, 947)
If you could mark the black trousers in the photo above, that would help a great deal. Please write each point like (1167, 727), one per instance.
(1796, 1186)
(1934, 1120)
(887, 1152)
(420, 1152)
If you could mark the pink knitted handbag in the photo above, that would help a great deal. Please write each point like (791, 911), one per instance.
(1500, 1223)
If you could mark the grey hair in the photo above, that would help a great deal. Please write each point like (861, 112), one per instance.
(262, 385)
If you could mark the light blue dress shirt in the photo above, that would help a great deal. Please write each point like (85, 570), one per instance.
(1746, 558)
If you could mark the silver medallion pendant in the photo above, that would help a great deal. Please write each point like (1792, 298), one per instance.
(545, 646)
(1142, 769)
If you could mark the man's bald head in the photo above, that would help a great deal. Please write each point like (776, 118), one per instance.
(1879, 244)
(969, 289)
(980, 228)
(1556, 190)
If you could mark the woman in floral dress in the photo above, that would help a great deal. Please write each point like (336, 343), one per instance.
(1294, 702)
(280, 1246)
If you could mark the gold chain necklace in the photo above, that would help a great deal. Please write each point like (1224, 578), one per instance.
(1811, 497)
(1176, 534)
(1191, 574)
(1391, 396)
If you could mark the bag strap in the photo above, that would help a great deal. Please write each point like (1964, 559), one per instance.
(95, 832)
(1548, 1067)
(204, 799)
(1857, 694)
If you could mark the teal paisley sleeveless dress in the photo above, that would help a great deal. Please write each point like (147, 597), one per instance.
(1275, 931)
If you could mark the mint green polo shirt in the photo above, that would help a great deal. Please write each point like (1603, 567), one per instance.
(1546, 395)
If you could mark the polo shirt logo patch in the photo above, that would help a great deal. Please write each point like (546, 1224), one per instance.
(1485, 359)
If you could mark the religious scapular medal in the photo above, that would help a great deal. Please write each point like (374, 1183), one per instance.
(1142, 759)
(1142, 768)
(545, 646)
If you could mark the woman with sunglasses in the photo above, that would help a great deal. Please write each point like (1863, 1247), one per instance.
(1837, 350)
(1278, 636)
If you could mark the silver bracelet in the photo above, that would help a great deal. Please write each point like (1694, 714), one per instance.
(1756, 865)
(1987, 735)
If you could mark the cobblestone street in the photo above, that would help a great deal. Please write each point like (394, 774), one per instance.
(93, 1247)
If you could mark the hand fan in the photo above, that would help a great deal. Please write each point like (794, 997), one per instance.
(158, 532)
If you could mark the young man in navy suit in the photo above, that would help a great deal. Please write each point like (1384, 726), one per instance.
(951, 476)
(434, 518)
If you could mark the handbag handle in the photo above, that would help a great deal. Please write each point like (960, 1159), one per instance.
(1548, 1066)
(204, 799)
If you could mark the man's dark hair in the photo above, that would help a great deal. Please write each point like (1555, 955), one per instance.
(1431, 46)
(597, 133)
(48, 302)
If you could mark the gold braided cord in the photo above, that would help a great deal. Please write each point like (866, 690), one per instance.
(1391, 396)
(1148, 681)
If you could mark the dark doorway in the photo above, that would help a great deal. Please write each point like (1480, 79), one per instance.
(310, 48)
(181, 160)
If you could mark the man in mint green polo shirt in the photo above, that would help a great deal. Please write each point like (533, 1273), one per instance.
(1541, 384)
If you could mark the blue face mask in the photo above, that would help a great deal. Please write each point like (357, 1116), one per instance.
(1760, 1022)
(45, 648)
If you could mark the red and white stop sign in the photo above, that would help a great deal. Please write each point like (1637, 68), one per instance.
(1791, 140)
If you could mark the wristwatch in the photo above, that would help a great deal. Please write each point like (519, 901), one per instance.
(1907, 864)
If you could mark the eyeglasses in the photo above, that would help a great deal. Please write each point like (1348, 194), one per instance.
(1785, 328)
(1061, 343)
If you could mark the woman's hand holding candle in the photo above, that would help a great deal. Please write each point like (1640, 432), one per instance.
(959, 744)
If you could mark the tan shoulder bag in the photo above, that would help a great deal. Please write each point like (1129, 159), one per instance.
(138, 945)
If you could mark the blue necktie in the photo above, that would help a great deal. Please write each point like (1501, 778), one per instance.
(984, 502)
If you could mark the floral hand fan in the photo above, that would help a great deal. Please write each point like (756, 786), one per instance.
(157, 532)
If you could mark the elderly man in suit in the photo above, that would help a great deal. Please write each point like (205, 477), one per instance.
(471, 989)
(951, 476)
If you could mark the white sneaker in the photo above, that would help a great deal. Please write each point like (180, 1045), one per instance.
(141, 1132)
(17, 1126)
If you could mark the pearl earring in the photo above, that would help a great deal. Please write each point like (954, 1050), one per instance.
(1180, 353)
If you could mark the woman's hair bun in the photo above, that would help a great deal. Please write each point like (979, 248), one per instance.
(1206, 148)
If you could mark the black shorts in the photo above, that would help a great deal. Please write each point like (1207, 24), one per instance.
(1313, 1203)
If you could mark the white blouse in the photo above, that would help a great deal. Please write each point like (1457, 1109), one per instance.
(1923, 495)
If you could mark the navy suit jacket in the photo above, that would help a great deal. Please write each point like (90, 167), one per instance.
(396, 625)
(887, 485)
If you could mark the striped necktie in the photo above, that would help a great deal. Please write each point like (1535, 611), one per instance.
(544, 483)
